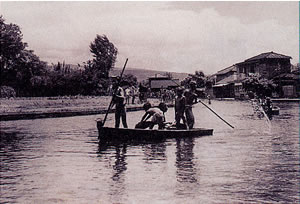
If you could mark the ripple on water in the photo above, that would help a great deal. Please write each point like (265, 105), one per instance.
(60, 160)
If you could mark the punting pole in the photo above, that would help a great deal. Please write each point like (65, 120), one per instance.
(266, 116)
(216, 114)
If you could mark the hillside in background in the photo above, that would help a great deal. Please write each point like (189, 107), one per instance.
(143, 74)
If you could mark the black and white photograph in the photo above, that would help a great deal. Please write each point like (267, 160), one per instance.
(129, 102)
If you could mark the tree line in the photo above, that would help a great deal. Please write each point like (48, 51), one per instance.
(24, 74)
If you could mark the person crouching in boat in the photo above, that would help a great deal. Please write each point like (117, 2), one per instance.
(179, 109)
(119, 101)
(158, 117)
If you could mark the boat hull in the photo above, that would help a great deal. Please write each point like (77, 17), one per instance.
(124, 134)
(275, 110)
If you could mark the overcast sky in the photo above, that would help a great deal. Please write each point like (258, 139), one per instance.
(170, 36)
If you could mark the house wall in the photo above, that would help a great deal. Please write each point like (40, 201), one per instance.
(220, 77)
(289, 91)
(224, 91)
(266, 68)
(239, 92)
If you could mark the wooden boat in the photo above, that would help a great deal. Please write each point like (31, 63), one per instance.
(124, 134)
(275, 110)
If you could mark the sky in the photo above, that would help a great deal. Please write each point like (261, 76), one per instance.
(168, 36)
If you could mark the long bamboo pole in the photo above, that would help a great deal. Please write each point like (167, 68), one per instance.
(111, 102)
(215, 114)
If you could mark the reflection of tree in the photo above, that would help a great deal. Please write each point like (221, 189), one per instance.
(184, 160)
(155, 151)
(10, 144)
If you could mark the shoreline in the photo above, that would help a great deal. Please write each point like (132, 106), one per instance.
(28, 109)
(37, 108)
(56, 114)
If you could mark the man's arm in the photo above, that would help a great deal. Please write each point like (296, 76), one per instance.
(145, 117)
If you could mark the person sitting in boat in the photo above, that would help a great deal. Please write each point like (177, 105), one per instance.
(191, 99)
(179, 109)
(157, 114)
(119, 101)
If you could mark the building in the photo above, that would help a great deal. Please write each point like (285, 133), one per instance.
(158, 82)
(268, 65)
(288, 83)
(224, 84)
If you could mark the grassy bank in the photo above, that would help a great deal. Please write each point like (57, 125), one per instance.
(30, 108)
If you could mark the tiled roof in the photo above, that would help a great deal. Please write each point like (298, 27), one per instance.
(287, 76)
(164, 83)
(158, 76)
(226, 70)
(269, 55)
(227, 80)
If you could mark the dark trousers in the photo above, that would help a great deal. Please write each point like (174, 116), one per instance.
(120, 113)
(178, 117)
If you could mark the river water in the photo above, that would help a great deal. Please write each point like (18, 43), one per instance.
(59, 160)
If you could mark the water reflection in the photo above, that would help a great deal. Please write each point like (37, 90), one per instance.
(184, 160)
(120, 164)
(117, 153)
(154, 152)
(10, 141)
(61, 160)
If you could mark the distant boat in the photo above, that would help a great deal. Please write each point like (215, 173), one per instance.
(126, 134)
(275, 110)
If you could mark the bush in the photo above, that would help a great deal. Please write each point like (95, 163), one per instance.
(7, 92)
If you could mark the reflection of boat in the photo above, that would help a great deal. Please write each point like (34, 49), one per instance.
(124, 134)
(275, 110)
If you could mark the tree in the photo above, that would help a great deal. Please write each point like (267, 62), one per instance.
(259, 86)
(18, 65)
(7, 92)
(199, 77)
(131, 79)
(11, 44)
(104, 53)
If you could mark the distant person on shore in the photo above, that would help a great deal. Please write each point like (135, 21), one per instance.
(142, 93)
(180, 108)
(127, 95)
(191, 99)
(208, 97)
(119, 101)
(157, 114)
(133, 93)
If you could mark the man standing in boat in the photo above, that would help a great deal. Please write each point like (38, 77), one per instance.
(119, 101)
(180, 105)
(191, 99)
